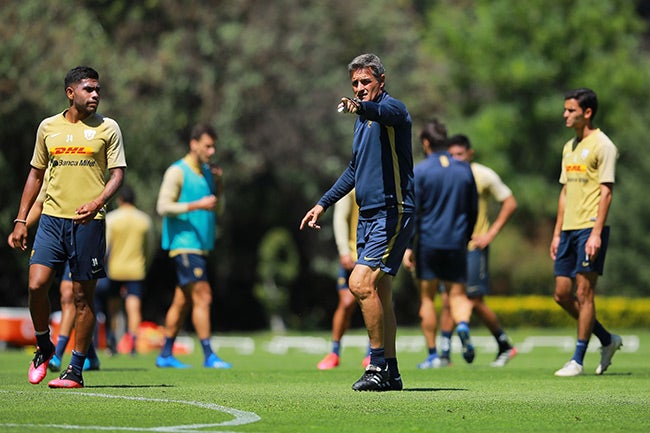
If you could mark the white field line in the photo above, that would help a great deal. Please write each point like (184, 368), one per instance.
(281, 345)
(240, 417)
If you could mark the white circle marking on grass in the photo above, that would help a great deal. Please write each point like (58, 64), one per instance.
(240, 417)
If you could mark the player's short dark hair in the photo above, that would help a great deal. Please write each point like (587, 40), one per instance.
(459, 140)
(586, 99)
(435, 132)
(79, 73)
(367, 60)
(203, 128)
(127, 195)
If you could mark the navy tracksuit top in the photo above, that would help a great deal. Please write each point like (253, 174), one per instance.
(381, 168)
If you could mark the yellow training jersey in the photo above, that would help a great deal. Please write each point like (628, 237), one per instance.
(129, 242)
(586, 165)
(488, 183)
(77, 155)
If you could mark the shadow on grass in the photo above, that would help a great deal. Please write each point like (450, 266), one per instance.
(433, 389)
(112, 370)
(162, 385)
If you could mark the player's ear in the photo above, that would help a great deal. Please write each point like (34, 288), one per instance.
(69, 92)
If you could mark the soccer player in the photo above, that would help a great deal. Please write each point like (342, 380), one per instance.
(129, 248)
(189, 194)
(581, 235)
(489, 186)
(78, 145)
(68, 309)
(381, 172)
(345, 220)
(446, 207)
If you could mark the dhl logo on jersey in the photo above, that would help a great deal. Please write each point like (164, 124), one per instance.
(576, 168)
(71, 150)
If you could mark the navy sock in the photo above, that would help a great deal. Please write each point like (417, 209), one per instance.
(77, 361)
(110, 340)
(581, 349)
(336, 347)
(377, 357)
(445, 344)
(92, 354)
(61, 344)
(205, 345)
(602, 334)
(432, 351)
(502, 340)
(167, 347)
(392, 367)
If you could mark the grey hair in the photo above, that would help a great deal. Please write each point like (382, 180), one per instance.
(367, 60)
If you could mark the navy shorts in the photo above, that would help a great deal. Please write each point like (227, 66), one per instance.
(343, 280)
(382, 239)
(103, 287)
(65, 275)
(190, 268)
(444, 265)
(477, 273)
(571, 258)
(82, 245)
(107, 287)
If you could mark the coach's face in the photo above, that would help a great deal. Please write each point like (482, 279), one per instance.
(365, 85)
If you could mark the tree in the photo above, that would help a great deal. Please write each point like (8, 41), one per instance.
(268, 75)
(507, 65)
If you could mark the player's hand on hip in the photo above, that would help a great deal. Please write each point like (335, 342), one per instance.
(86, 213)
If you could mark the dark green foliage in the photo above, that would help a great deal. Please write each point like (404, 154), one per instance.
(269, 75)
(505, 67)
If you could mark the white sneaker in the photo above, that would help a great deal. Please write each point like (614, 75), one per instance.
(571, 368)
(607, 352)
(433, 361)
(442, 363)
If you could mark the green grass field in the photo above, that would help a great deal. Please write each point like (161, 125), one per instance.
(268, 393)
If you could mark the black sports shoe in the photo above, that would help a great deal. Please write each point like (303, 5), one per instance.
(68, 379)
(395, 384)
(373, 379)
